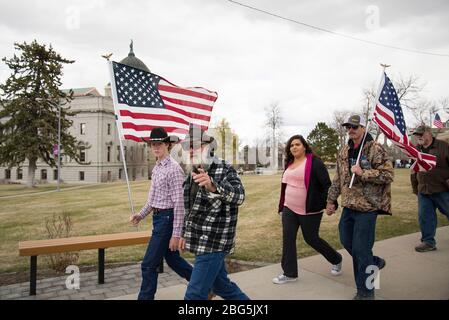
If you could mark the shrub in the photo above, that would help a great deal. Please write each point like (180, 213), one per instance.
(60, 227)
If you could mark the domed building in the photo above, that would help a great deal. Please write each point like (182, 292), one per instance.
(94, 127)
(132, 61)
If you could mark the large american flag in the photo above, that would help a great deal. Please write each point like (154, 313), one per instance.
(390, 119)
(437, 121)
(144, 101)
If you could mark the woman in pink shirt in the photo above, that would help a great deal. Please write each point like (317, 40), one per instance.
(305, 183)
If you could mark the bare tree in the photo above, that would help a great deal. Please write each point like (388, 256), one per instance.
(444, 102)
(369, 95)
(273, 123)
(338, 118)
(409, 91)
(426, 109)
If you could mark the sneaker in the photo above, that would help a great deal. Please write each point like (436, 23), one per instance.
(381, 263)
(424, 247)
(336, 269)
(281, 279)
(364, 296)
(211, 295)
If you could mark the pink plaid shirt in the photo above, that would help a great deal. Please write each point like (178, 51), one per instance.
(166, 192)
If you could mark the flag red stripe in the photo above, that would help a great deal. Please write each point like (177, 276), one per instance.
(428, 156)
(135, 138)
(131, 137)
(152, 116)
(385, 128)
(188, 114)
(187, 103)
(187, 92)
(388, 131)
(385, 115)
(145, 127)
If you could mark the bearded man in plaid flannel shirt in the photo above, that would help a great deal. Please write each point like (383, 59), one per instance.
(212, 193)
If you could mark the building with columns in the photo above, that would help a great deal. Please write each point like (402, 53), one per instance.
(94, 127)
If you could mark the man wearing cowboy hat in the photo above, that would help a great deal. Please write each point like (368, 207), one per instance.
(212, 195)
(165, 200)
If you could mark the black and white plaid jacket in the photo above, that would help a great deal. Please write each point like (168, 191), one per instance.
(211, 224)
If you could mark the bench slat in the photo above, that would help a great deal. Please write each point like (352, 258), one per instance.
(37, 247)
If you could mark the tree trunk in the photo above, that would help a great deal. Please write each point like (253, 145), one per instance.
(274, 155)
(31, 171)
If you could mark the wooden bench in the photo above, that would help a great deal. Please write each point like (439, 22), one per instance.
(101, 242)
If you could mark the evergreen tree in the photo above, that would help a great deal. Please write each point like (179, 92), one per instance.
(29, 100)
(324, 141)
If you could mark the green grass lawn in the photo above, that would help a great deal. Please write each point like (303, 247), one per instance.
(105, 208)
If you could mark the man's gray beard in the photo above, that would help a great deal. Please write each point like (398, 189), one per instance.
(198, 162)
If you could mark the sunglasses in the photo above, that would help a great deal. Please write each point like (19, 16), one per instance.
(352, 127)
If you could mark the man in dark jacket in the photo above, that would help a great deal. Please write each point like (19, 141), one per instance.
(431, 187)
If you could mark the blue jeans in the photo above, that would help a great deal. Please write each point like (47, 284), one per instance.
(209, 273)
(357, 235)
(427, 206)
(156, 250)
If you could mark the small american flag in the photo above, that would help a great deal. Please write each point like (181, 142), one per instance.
(437, 121)
(390, 119)
(145, 101)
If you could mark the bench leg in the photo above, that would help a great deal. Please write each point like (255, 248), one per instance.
(33, 275)
(100, 266)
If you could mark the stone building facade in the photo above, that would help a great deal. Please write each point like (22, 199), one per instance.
(94, 126)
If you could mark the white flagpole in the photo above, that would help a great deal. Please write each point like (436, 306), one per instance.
(384, 66)
(114, 100)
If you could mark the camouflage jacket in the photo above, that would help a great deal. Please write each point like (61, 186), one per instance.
(372, 190)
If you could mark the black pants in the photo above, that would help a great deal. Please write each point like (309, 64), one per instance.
(310, 225)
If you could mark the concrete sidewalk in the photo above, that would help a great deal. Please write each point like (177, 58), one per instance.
(408, 275)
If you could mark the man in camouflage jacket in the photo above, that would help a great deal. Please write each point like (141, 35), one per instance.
(369, 196)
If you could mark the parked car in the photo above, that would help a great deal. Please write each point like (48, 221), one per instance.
(259, 170)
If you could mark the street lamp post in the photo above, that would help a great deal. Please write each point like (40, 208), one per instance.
(59, 147)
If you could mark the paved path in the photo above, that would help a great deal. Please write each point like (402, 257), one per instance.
(118, 282)
(408, 275)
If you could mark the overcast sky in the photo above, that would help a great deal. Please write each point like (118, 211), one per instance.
(249, 58)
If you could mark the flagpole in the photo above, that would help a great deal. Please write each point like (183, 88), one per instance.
(384, 66)
(114, 101)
